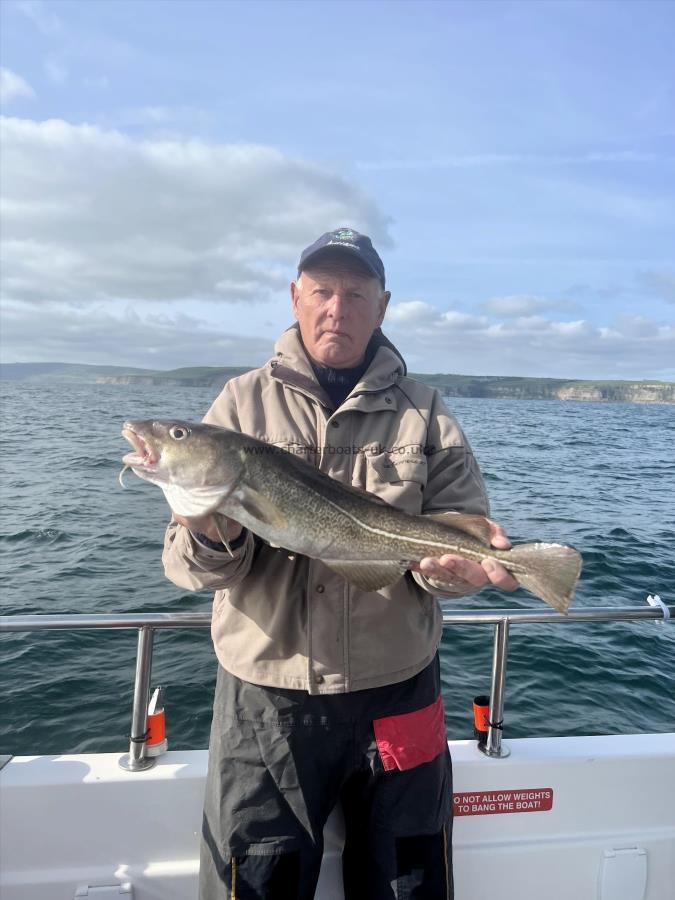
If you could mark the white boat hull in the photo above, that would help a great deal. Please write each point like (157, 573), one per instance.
(81, 823)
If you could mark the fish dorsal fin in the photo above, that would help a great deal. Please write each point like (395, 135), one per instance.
(313, 477)
(476, 526)
(363, 494)
(260, 507)
(369, 576)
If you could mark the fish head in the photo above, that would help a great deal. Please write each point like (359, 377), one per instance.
(195, 465)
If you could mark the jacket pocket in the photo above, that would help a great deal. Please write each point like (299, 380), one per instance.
(398, 477)
(409, 740)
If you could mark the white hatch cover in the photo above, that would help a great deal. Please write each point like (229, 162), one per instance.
(623, 874)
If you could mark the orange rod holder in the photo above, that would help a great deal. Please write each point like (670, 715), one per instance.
(156, 742)
(481, 717)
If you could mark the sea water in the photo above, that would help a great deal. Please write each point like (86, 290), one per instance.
(598, 476)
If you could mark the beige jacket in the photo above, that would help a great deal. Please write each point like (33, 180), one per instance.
(288, 621)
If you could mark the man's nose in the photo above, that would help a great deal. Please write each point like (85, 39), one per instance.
(338, 304)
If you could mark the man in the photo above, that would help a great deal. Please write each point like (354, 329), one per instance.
(326, 693)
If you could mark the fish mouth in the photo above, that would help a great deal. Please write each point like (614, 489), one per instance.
(144, 455)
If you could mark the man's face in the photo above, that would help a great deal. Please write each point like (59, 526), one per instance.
(337, 307)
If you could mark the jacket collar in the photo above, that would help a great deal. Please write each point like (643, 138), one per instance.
(291, 366)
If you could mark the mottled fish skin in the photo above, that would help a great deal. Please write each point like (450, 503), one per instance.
(289, 503)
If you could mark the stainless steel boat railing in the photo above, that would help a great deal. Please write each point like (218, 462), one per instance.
(501, 619)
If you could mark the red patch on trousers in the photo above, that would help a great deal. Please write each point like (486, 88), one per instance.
(411, 739)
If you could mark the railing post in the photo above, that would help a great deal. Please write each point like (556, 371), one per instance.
(493, 746)
(135, 760)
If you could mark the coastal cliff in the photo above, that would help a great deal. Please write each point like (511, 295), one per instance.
(552, 389)
(487, 386)
(508, 388)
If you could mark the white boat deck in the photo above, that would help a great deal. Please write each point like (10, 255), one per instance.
(78, 826)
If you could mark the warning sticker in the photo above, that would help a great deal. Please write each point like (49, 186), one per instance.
(492, 803)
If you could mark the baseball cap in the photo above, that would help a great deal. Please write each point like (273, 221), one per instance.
(349, 241)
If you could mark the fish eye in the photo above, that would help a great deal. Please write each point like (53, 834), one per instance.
(177, 432)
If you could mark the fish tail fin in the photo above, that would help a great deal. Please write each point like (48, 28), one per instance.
(549, 571)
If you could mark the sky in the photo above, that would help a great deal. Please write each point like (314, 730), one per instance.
(163, 164)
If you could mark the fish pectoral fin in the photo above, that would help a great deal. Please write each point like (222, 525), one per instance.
(220, 523)
(261, 507)
(369, 576)
(477, 526)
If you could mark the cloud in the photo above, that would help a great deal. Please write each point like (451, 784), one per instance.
(125, 338)
(461, 321)
(415, 311)
(93, 215)
(523, 305)
(13, 86)
(633, 347)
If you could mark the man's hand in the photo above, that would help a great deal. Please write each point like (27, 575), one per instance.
(457, 571)
(206, 525)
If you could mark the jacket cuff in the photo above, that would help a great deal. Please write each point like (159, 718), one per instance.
(218, 546)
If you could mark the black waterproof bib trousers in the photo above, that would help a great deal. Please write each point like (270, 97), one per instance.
(281, 759)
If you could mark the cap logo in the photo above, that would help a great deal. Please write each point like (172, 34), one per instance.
(345, 234)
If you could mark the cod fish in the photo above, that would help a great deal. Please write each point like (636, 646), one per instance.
(204, 469)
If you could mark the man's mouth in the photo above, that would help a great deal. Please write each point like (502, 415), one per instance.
(143, 455)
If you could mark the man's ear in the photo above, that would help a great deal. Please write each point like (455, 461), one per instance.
(295, 298)
(384, 300)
